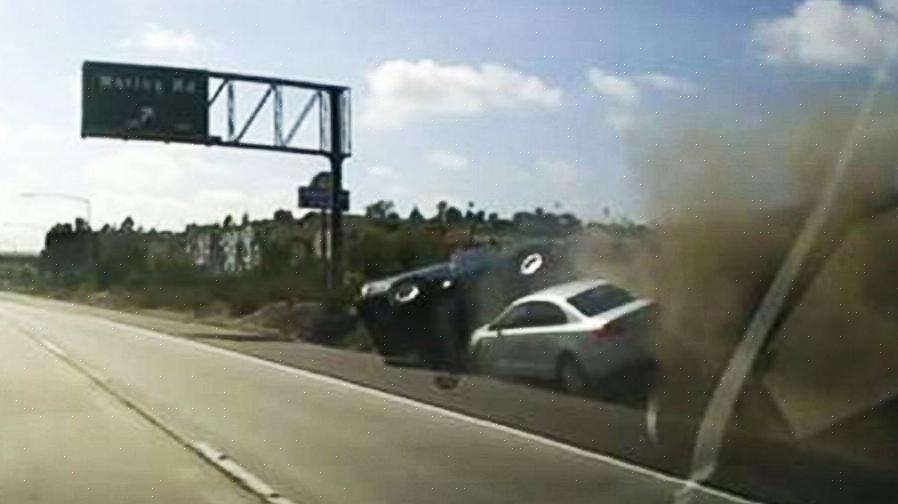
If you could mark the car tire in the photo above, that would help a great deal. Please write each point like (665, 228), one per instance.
(532, 263)
(572, 378)
(406, 291)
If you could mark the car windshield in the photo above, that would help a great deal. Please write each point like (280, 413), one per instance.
(600, 299)
(462, 252)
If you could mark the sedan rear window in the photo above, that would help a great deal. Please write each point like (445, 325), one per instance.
(600, 299)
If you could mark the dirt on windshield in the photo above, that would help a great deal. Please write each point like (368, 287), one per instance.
(728, 204)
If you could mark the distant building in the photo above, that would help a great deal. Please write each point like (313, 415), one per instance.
(309, 226)
(223, 251)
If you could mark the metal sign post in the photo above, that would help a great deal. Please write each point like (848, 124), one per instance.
(325, 257)
(320, 194)
(138, 102)
(336, 159)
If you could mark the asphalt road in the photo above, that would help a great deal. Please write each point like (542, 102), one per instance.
(310, 437)
(65, 440)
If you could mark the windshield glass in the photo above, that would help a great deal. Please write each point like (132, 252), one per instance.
(480, 252)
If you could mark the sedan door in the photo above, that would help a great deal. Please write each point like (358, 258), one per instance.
(529, 345)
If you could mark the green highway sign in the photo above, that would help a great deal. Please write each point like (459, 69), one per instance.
(144, 103)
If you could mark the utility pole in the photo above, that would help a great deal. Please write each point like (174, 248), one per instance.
(323, 243)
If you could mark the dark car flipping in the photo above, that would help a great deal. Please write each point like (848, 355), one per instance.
(426, 316)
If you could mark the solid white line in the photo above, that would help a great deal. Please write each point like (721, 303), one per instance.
(53, 348)
(606, 459)
(219, 460)
(239, 473)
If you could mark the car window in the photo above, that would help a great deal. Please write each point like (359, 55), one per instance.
(600, 299)
(512, 317)
(533, 314)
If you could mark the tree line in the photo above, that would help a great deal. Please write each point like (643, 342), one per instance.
(156, 268)
(538, 222)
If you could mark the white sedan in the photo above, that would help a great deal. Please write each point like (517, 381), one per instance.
(575, 333)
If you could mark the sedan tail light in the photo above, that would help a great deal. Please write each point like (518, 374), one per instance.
(605, 333)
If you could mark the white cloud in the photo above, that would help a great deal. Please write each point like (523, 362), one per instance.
(24, 157)
(402, 90)
(828, 33)
(890, 7)
(381, 171)
(613, 87)
(665, 82)
(396, 190)
(556, 169)
(623, 93)
(74, 80)
(621, 118)
(19, 139)
(159, 39)
(170, 211)
(140, 168)
(446, 160)
(222, 198)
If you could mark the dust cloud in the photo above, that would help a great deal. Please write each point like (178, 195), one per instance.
(727, 203)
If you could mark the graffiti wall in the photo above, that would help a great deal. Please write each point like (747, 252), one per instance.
(224, 251)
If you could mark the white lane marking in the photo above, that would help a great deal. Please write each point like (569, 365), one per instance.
(219, 460)
(651, 419)
(240, 474)
(53, 348)
(686, 493)
(430, 408)
(59, 352)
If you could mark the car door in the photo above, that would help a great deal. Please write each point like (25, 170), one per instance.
(527, 344)
(507, 324)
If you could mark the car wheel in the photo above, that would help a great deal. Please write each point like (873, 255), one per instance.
(447, 381)
(571, 376)
(532, 263)
(405, 291)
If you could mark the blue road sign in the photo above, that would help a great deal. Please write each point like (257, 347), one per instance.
(312, 197)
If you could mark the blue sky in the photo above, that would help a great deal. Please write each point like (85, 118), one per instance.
(510, 105)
